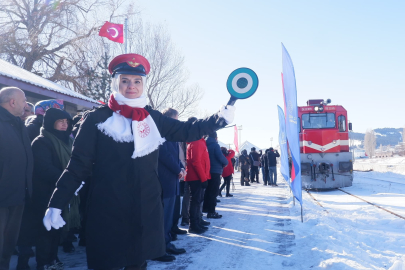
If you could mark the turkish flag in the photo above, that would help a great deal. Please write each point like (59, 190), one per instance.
(112, 31)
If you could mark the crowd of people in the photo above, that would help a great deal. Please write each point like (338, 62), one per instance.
(121, 176)
(114, 175)
(249, 165)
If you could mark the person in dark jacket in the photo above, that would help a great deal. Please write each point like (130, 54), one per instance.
(52, 150)
(244, 163)
(118, 146)
(170, 170)
(272, 156)
(34, 122)
(265, 167)
(217, 163)
(228, 171)
(16, 163)
(254, 169)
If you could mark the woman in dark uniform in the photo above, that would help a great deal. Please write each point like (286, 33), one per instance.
(117, 145)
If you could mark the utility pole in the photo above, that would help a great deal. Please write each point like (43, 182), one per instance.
(126, 35)
(240, 135)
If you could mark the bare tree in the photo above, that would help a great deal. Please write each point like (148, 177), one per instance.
(370, 142)
(54, 39)
(166, 83)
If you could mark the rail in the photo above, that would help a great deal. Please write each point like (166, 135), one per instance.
(373, 204)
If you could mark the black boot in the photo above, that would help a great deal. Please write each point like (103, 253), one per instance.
(204, 223)
(165, 258)
(184, 221)
(214, 215)
(171, 249)
(194, 228)
(229, 195)
(177, 230)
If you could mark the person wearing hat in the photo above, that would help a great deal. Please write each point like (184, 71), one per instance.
(272, 156)
(117, 144)
(244, 163)
(34, 122)
(217, 163)
(254, 166)
(52, 150)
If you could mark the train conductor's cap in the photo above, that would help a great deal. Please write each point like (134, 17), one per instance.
(131, 63)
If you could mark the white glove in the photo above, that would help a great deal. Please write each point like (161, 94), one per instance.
(77, 190)
(53, 219)
(228, 113)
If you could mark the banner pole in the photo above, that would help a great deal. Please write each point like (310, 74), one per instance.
(302, 219)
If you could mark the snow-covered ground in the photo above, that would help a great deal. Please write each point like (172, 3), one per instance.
(353, 234)
(262, 229)
(391, 164)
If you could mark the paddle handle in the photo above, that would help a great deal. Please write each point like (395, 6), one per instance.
(232, 101)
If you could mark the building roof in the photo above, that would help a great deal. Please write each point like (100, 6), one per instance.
(248, 145)
(17, 73)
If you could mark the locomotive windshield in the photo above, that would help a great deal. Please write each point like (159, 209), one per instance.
(318, 120)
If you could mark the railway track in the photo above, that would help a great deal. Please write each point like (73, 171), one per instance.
(373, 204)
(402, 184)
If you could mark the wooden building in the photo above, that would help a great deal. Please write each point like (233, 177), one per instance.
(37, 88)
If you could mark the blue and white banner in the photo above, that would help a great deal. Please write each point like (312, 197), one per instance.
(282, 140)
(291, 116)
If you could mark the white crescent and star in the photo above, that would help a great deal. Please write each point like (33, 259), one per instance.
(116, 32)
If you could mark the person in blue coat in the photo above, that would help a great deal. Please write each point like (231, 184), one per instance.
(217, 161)
(170, 170)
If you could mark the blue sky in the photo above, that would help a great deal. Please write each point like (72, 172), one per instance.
(349, 51)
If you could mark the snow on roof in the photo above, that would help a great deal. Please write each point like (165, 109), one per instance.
(15, 72)
(248, 145)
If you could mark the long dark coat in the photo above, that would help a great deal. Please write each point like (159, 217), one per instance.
(16, 161)
(47, 170)
(169, 168)
(125, 212)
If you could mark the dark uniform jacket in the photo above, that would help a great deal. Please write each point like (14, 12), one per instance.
(265, 162)
(34, 124)
(169, 168)
(16, 160)
(255, 156)
(217, 160)
(271, 156)
(244, 162)
(124, 209)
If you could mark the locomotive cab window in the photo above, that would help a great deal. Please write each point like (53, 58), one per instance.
(318, 120)
(342, 123)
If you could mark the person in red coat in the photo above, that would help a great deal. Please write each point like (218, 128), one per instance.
(198, 172)
(227, 172)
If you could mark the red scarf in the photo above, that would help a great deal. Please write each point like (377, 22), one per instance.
(136, 114)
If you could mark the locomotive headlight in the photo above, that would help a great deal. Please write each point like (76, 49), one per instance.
(321, 108)
(309, 142)
(334, 141)
(316, 108)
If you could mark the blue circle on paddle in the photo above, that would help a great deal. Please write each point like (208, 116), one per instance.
(242, 83)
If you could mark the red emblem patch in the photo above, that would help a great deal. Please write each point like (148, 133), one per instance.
(143, 129)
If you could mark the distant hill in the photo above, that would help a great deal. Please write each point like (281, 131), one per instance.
(385, 136)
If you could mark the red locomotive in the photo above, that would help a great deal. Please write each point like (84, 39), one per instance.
(326, 160)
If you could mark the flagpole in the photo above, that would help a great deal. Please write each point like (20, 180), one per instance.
(302, 219)
(126, 35)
